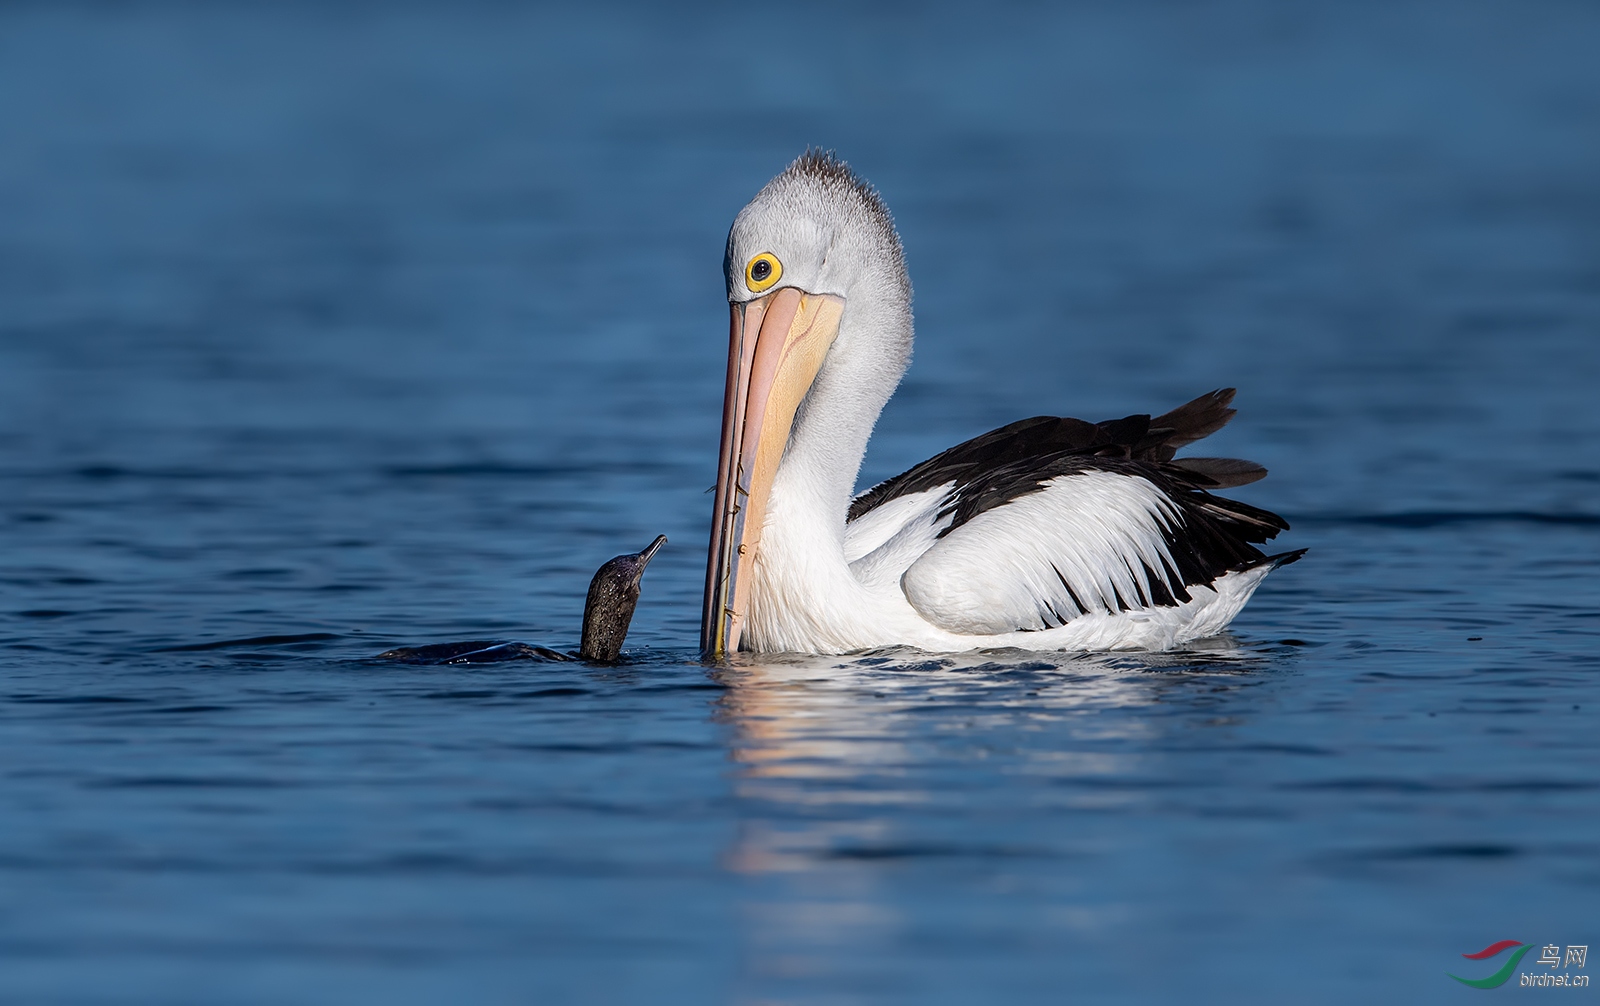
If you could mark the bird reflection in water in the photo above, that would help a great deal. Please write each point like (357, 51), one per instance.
(851, 772)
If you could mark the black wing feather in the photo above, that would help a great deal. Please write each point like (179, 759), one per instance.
(1216, 534)
(1133, 438)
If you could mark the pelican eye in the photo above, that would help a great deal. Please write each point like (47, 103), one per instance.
(762, 272)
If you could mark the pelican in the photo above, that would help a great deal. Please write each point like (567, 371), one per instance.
(1047, 534)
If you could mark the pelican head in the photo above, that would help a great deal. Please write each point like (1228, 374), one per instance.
(820, 334)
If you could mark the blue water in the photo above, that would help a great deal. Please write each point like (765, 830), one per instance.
(374, 325)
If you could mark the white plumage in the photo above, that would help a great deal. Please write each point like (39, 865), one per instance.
(1048, 534)
(1084, 544)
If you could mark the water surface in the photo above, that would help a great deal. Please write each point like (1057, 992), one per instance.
(328, 329)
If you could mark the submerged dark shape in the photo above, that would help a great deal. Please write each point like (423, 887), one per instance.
(472, 651)
(613, 594)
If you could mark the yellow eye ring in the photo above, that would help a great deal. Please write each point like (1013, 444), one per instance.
(762, 272)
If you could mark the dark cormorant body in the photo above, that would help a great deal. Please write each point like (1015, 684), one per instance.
(613, 594)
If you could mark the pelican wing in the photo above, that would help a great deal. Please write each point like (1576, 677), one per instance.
(1089, 536)
(1134, 438)
(1050, 519)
